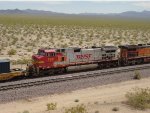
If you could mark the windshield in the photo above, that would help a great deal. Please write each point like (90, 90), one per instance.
(42, 53)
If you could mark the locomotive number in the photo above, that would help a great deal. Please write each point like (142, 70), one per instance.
(85, 56)
(50, 59)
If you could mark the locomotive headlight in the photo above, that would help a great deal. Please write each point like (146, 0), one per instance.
(35, 61)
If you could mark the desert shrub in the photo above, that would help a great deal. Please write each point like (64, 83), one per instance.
(64, 45)
(29, 50)
(137, 75)
(97, 111)
(21, 38)
(12, 52)
(139, 98)
(77, 109)
(115, 109)
(14, 41)
(96, 102)
(25, 111)
(76, 100)
(80, 42)
(51, 106)
(21, 61)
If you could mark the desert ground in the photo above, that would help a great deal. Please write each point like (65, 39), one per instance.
(99, 99)
(27, 39)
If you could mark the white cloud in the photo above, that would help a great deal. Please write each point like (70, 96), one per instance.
(54, 2)
(143, 4)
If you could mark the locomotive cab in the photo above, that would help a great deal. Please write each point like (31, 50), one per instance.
(48, 53)
(43, 60)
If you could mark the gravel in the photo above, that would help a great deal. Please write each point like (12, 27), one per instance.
(67, 75)
(66, 86)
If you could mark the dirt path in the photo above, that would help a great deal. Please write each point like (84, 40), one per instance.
(100, 98)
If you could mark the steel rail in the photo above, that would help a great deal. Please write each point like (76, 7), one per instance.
(61, 79)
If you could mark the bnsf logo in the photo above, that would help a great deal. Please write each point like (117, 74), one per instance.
(85, 56)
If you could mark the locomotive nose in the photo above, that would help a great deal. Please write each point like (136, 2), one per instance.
(36, 59)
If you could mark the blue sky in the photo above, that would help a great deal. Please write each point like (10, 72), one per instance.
(78, 6)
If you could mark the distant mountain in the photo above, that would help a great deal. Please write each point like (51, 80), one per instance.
(9, 11)
(28, 11)
(134, 14)
(128, 14)
(39, 12)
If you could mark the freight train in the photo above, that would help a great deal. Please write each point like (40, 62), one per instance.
(50, 61)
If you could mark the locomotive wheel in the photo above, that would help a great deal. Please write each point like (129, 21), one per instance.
(62, 70)
(59, 71)
(51, 72)
(99, 66)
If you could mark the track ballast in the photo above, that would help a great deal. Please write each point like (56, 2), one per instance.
(66, 78)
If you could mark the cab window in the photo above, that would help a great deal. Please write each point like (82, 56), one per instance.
(50, 54)
(41, 53)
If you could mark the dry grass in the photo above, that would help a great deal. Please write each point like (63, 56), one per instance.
(51, 106)
(77, 109)
(137, 75)
(115, 109)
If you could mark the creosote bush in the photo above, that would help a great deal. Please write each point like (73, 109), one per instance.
(51, 106)
(97, 111)
(137, 75)
(139, 98)
(12, 52)
(115, 109)
(76, 100)
(96, 103)
(21, 61)
(25, 111)
(77, 109)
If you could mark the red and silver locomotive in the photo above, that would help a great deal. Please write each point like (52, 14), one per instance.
(57, 60)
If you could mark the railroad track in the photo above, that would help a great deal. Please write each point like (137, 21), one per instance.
(61, 79)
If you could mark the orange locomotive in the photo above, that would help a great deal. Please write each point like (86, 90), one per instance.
(134, 54)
